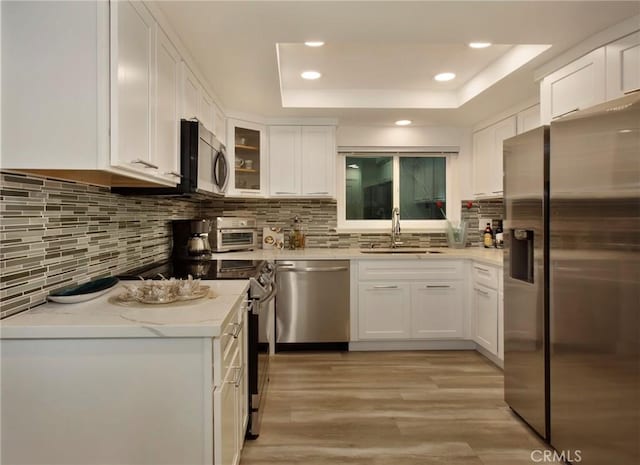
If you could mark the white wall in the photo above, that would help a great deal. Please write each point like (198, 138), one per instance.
(434, 138)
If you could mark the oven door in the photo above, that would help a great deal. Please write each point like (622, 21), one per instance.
(235, 239)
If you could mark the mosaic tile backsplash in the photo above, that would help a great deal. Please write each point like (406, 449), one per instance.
(54, 233)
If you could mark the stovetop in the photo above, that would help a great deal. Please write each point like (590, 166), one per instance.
(203, 269)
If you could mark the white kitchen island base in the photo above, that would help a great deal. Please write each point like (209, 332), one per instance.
(116, 401)
(166, 387)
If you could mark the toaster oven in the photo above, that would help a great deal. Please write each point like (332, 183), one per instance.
(233, 233)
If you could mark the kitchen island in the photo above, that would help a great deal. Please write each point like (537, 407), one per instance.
(96, 382)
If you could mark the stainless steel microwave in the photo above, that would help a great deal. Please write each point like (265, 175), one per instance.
(204, 168)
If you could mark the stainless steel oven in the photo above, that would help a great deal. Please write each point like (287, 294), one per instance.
(233, 233)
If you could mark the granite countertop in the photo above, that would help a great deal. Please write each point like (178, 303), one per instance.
(101, 318)
(487, 256)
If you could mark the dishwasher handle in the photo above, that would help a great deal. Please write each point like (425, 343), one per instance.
(314, 269)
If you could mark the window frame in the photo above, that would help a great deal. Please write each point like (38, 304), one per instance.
(371, 226)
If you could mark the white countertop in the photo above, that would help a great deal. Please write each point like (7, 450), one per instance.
(487, 256)
(101, 318)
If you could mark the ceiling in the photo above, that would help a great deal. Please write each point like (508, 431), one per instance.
(379, 57)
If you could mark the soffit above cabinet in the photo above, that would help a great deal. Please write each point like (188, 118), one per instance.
(240, 38)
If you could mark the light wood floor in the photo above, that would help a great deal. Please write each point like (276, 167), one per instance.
(388, 408)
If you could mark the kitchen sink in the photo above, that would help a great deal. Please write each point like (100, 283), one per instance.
(400, 250)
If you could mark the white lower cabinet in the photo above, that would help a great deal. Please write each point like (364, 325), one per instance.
(384, 310)
(226, 425)
(437, 310)
(409, 299)
(485, 317)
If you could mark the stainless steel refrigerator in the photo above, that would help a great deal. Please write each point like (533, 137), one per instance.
(572, 366)
(526, 195)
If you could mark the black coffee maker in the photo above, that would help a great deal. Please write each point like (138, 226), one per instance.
(191, 239)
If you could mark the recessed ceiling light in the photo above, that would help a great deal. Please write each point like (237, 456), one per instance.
(403, 122)
(480, 44)
(310, 75)
(444, 76)
(314, 43)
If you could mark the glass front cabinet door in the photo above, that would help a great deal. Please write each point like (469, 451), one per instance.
(247, 156)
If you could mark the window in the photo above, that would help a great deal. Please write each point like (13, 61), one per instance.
(377, 182)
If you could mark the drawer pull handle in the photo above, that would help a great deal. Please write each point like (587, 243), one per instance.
(566, 113)
(285, 193)
(173, 173)
(146, 164)
(480, 291)
(484, 270)
(385, 287)
(434, 286)
(319, 193)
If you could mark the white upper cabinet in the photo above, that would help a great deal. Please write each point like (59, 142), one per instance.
(574, 87)
(302, 161)
(132, 86)
(205, 110)
(318, 161)
(167, 130)
(190, 94)
(482, 148)
(623, 66)
(247, 151)
(487, 157)
(528, 119)
(196, 102)
(219, 124)
(125, 118)
(285, 147)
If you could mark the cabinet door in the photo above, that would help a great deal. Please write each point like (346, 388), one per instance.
(384, 311)
(205, 109)
(501, 131)
(132, 86)
(285, 147)
(318, 160)
(219, 124)
(247, 146)
(485, 317)
(167, 131)
(623, 66)
(483, 146)
(437, 310)
(528, 119)
(578, 85)
(190, 93)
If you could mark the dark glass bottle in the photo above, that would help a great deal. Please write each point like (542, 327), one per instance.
(499, 242)
(487, 236)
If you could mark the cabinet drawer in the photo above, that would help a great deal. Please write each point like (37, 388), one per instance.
(380, 270)
(485, 275)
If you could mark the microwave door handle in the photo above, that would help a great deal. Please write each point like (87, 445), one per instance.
(214, 168)
(225, 170)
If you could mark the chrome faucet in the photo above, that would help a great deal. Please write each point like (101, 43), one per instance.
(395, 228)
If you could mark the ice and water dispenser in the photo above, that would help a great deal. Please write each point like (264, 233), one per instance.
(521, 255)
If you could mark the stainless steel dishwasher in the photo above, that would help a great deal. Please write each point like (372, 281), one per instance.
(312, 304)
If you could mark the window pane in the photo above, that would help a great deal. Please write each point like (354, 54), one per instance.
(369, 190)
(423, 188)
